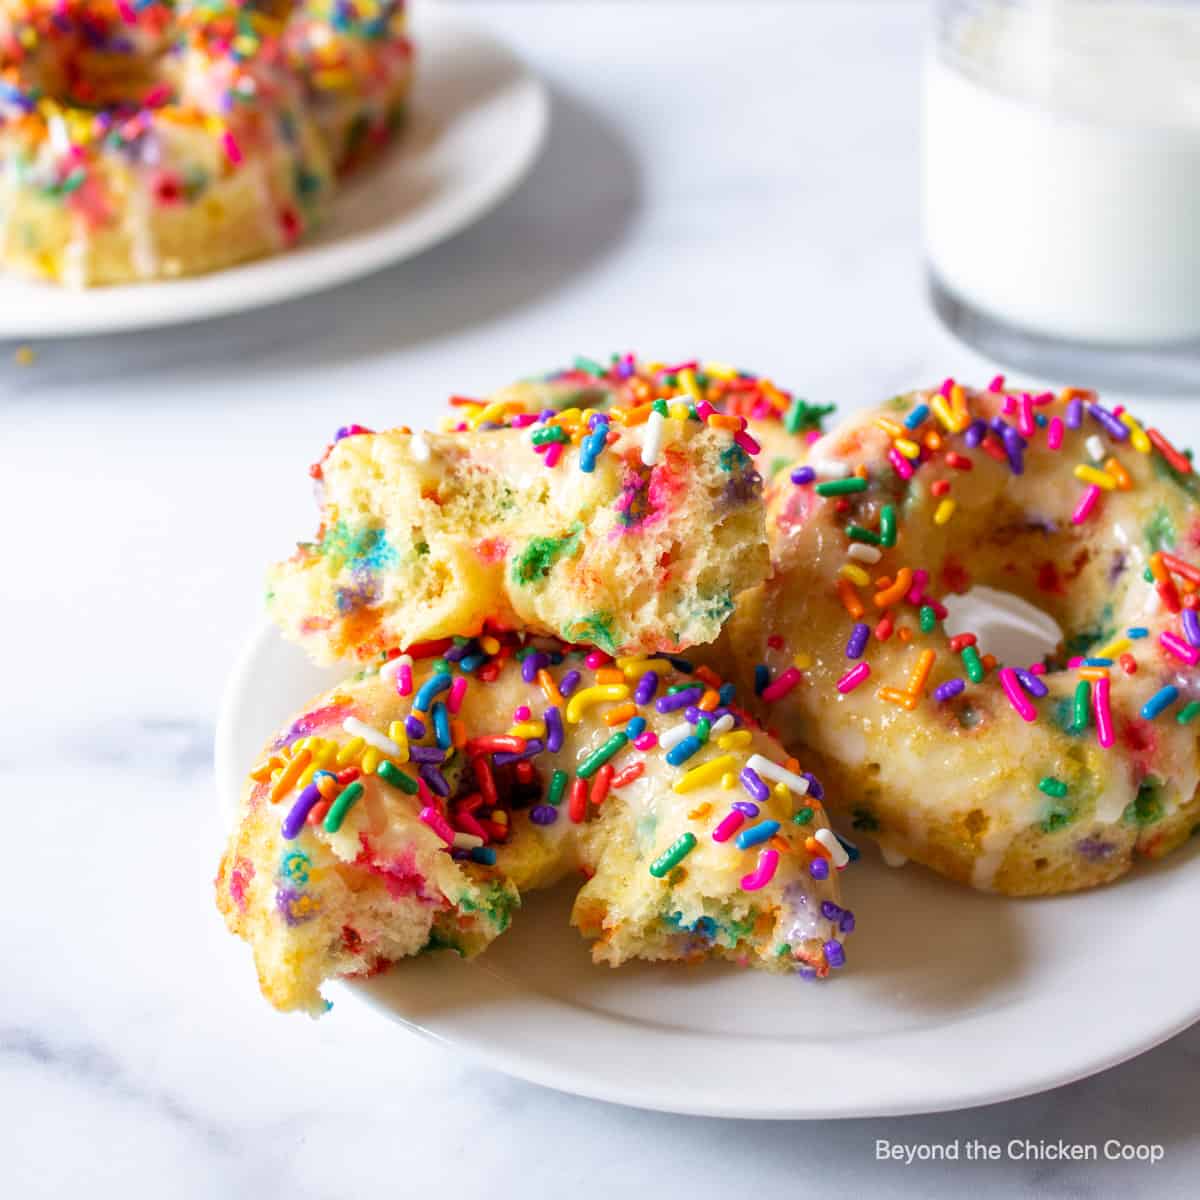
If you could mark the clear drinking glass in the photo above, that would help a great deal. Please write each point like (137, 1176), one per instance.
(1061, 185)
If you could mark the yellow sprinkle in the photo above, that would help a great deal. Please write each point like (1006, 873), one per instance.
(350, 751)
(24, 356)
(567, 416)
(528, 729)
(1137, 436)
(489, 645)
(908, 448)
(958, 400)
(678, 410)
(584, 699)
(890, 427)
(370, 760)
(397, 734)
(1115, 647)
(728, 780)
(802, 662)
(491, 412)
(1101, 479)
(323, 755)
(635, 668)
(736, 740)
(719, 370)
(944, 511)
(855, 574)
(954, 422)
(704, 773)
(687, 381)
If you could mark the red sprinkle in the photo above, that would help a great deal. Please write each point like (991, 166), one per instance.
(1128, 664)
(960, 462)
(939, 487)
(1177, 460)
(601, 784)
(577, 805)
(628, 774)
(961, 641)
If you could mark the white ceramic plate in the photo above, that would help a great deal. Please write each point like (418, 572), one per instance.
(478, 120)
(950, 998)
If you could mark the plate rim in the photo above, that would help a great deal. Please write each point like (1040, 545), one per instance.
(940, 1095)
(316, 267)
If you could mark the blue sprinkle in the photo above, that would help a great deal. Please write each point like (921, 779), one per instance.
(726, 694)
(468, 663)
(1161, 699)
(436, 683)
(763, 831)
(918, 416)
(1097, 662)
(485, 855)
(441, 725)
(1138, 631)
(762, 677)
(682, 752)
(636, 727)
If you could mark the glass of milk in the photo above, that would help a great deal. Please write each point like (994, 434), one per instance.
(1061, 185)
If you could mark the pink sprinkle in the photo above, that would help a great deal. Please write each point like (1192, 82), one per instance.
(1017, 698)
(434, 819)
(232, 150)
(768, 861)
(813, 435)
(1025, 423)
(747, 443)
(404, 680)
(1104, 729)
(916, 593)
(1077, 661)
(646, 741)
(597, 659)
(1178, 647)
(1010, 405)
(781, 686)
(1037, 668)
(729, 825)
(947, 387)
(523, 419)
(853, 677)
(1091, 497)
(554, 454)
(997, 384)
(704, 410)
(900, 463)
(1044, 398)
(521, 713)
(1054, 433)
(458, 689)
(127, 13)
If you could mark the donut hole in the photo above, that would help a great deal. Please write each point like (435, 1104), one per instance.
(1006, 625)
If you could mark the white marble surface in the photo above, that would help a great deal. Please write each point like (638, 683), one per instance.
(740, 183)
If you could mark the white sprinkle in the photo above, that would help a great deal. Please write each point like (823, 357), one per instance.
(652, 445)
(1095, 448)
(356, 728)
(865, 553)
(829, 468)
(1153, 603)
(893, 858)
(723, 724)
(419, 447)
(674, 735)
(772, 770)
(467, 841)
(837, 852)
(389, 668)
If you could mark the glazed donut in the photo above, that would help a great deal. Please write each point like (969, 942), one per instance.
(356, 61)
(408, 809)
(632, 531)
(780, 422)
(1021, 779)
(122, 159)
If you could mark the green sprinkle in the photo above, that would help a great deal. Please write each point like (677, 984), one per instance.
(973, 663)
(856, 533)
(548, 434)
(802, 415)
(558, 785)
(341, 806)
(601, 755)
(703, 728)
(928, 618)
(673, 855)
(1188, 713)
(841, 487)
(660, 407)
(802, 816)
(390, 773)
(1083, 696)
(1053, 787)
(887, 524)
(589, 366)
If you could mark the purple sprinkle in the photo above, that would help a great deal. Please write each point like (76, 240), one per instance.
(426, 754)
(1074, 417)
(543, 814)
(1016, 457)
(948, 690)
(457, 653)
(294, 821)
(831, 911)
(434, 778)
(534, 746)
(414, 726)
(975, 432)
(835, 956)
(1114, 428)
(677, 700)
(815, 790)
(803, 475)
(752, 782)
(554, 729)
(847, 923)
(1094, 849)
(819, 868)
(647, 686)
(858, 640)
(569, 682)
(808, 974)
(532, 663)
(745, 808)
(1030, 682)
(1191, 626)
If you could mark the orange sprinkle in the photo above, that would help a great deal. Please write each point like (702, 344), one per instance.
(458, 732)
(894, 593)
(266, 769)
(1118, 472)
(849, 597)
(778, 843)
(933, 440)
(816, 848)
(549, 687)
(920, 673)
(723, 421)
(709, 700)
(896, 696)
(792, 764)
(610, 675)
(904, 634)
(861, 471)
(289, 775)
(620, 713)
(1093, 672)
(700, 812)
(989, 662)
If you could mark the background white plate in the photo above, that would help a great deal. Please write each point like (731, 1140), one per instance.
(950, 998)
(477, 122)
